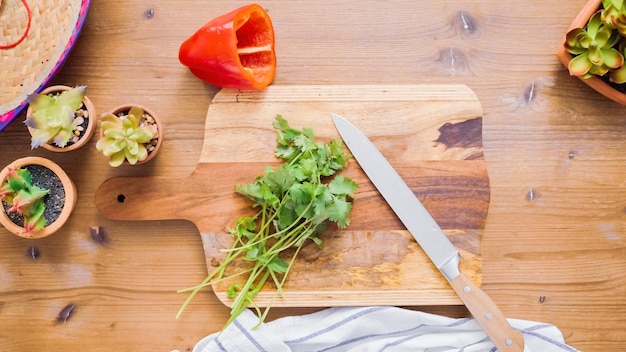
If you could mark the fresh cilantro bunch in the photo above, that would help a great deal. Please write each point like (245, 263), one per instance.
(296, 201)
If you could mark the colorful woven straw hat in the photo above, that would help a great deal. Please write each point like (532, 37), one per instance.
(36, 37)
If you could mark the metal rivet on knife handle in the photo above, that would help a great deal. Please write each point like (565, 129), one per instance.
(488, 315)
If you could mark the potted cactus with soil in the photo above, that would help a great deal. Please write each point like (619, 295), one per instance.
(130, 134)
(37, 197)
(60, 118)
(595, 46)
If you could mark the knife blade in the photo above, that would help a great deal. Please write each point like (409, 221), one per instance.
(429, 235)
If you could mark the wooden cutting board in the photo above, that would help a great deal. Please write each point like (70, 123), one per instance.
(431, 133)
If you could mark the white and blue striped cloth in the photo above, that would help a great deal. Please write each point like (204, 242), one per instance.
(378, 328)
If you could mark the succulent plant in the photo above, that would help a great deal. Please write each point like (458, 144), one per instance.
(25, 198)
(593, 48)
(52, 120)
(125, 137)
(614, 15)
(618, 75)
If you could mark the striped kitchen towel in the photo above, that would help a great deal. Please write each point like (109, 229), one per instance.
(378, 328)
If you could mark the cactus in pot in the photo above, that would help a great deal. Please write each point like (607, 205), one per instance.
(130, 134)
(59, 118)
(37, 197)
(24, 198)
(594, 49)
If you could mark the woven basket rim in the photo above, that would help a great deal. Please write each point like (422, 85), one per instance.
(28, 67)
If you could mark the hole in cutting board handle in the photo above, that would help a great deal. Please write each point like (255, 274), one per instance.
(121, 198)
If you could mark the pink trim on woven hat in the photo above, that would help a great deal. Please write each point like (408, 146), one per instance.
(8, 116)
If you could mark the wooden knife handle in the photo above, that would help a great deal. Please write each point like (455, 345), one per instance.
(488, 315)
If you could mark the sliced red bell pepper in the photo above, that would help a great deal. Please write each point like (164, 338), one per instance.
(235, 50)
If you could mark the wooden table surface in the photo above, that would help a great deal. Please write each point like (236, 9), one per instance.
(553, 247)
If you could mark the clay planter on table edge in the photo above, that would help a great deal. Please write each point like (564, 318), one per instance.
(564, 56)
(89, 130)
(159, 138)
(70, 198)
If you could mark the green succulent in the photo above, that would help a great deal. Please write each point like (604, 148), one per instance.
(125, 137)
(593, 49)
(614, 15)
(53, 116)
(25, 198)
(618, 75)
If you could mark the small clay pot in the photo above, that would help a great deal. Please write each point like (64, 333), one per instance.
(159, 138)
(69, 189)
(89, 129)
(564, 56)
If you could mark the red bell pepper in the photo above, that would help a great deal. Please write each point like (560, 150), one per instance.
(235, 50)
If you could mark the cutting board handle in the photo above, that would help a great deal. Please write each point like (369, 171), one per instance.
(143, 198)
(207, 197)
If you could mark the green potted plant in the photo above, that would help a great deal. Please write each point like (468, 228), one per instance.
(37, 197)
(594, 47)
(130, 134)
(60, 118)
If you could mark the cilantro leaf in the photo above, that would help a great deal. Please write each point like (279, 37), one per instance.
(279, 180)
(278, 265)
(232, 291)
(339, 212)
(341, 185)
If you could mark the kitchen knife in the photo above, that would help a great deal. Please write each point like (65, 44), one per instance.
(429, 235)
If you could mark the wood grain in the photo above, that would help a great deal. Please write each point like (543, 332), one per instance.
(553, 246)
(375, 261)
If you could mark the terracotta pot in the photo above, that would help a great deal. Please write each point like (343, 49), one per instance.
(594, 82)
(70, 198)
(159, 139)
(89, 130)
